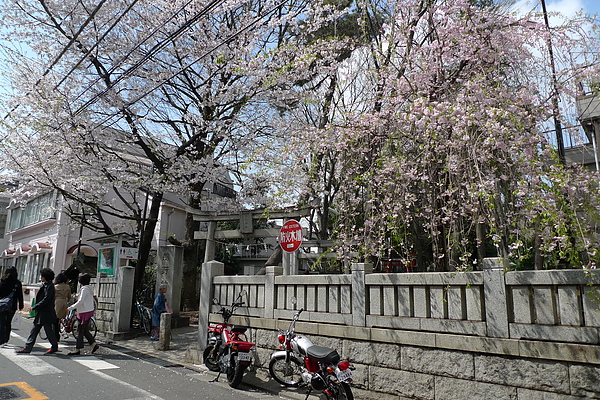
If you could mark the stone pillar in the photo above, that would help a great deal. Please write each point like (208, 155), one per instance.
(164, 338)
(270, 293)
(170, 271)
(494, 289)
(123, 300)
(209, 271)
(209, 252)
(359, 293)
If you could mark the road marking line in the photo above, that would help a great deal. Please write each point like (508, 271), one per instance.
(94, 363)
(147, 395)
(32, 364)
(28, 390)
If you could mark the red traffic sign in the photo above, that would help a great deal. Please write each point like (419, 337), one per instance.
(290, 236)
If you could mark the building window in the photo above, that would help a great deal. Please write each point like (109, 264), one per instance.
(37, 210)
(224, 191)
(3, 218)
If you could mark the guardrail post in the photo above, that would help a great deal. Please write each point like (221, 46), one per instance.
(359, 293)
(209, 271)
(494, 289)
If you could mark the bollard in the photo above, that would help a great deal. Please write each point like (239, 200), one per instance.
(164, 339)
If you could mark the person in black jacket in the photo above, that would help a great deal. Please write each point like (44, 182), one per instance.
(45, 316)
(9, 283)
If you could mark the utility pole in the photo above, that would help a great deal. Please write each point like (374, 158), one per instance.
(555, 110)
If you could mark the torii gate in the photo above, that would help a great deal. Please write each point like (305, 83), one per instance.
(246, 231)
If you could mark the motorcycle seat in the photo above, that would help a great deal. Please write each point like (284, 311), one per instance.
(323, 354)
(238, 329)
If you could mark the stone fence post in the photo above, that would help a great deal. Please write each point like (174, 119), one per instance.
(271, 273)
(209, 271)
(170, 272)
(123, 300)
(494, 289)
(359, 293)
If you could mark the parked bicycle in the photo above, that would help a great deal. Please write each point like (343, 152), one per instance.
(144, 316)
(69, 324)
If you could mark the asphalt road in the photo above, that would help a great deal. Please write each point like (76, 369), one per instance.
(108, 374)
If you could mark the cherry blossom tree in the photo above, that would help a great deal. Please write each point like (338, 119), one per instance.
(444, 152)
(143, 98)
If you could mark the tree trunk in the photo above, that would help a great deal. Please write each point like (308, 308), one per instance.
(146, 240)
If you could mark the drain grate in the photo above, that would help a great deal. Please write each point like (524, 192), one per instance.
(7, 393)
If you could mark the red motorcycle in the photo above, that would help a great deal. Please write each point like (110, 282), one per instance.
(228, 349)
(300, 362)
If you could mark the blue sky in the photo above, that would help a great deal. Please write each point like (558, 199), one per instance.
(567, 7)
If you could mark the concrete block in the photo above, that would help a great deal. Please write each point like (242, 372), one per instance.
(403, 337)
(371, 353)
(438, 362)
(528, 394)
(558, 333)
(585, 380)
(456, 303)
(521, 304)
(421, 301)
(591, 306)
(474, 299)
(544, 375)
(570, 307)
(478, 344)
(437, 302)
(404, 383)
(374, 307)
(405, 303)
(453, 389)
(545, 305)
(389, 301)
(570, 352)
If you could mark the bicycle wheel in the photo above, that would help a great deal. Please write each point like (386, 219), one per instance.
(75, 327)
(42, 334)
(92, 325)
(146, 320)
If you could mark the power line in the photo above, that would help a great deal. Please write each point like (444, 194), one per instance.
(64, 50)
(97, 43)
(154, 49)
(178, 71)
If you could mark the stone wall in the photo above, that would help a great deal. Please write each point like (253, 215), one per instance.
(482, 335)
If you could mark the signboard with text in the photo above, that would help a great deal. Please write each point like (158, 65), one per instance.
(107, 260)
(290, 236)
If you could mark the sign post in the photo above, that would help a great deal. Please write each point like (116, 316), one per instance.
(290, 236)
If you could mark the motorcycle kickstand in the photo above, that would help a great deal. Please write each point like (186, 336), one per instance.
(308, 393)
(217, 378)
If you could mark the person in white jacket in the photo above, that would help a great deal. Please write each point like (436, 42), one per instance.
(85, 311)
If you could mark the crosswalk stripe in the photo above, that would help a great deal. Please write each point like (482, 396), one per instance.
(147, 395)
(32, 364)
(94, 363)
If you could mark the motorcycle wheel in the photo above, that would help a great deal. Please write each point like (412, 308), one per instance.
(286, 373)
(235, 373)
(210, 360)
(343, 392)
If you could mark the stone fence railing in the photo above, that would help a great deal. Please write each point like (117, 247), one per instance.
(559, 305)
(433, 336)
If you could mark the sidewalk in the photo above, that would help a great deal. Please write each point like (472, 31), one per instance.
(179, 355)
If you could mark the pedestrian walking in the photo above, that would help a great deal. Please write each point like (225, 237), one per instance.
(10, 286)
(45, 316)
(159, 307)
(85, 311)
(61, 300)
